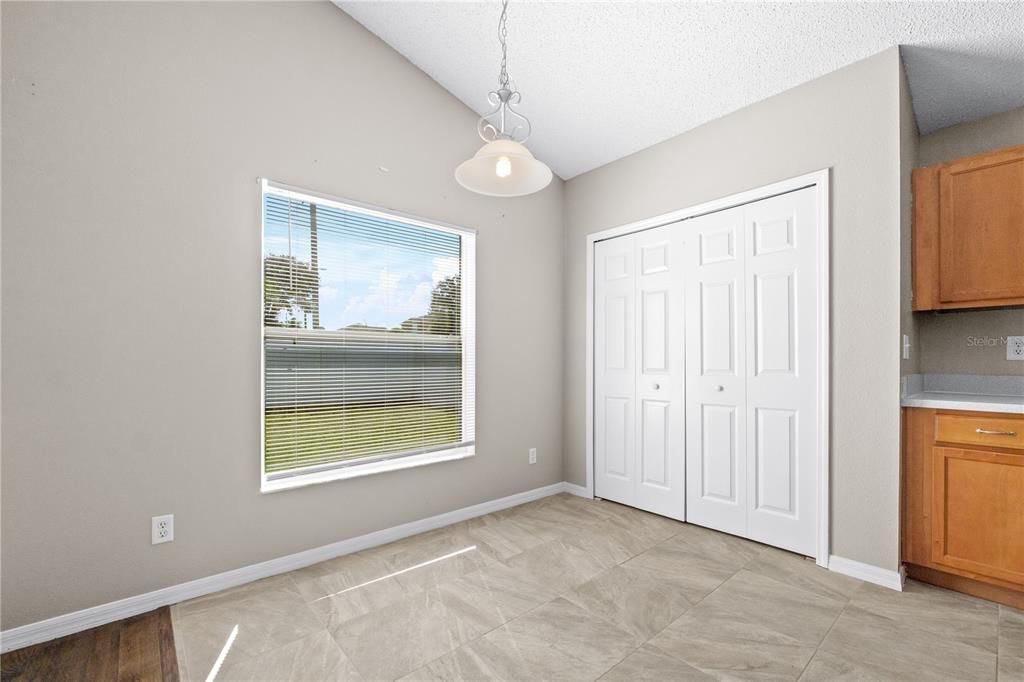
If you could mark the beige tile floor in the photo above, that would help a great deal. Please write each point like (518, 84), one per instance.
(567, 588)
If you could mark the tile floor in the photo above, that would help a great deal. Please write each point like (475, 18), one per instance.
(567, 588)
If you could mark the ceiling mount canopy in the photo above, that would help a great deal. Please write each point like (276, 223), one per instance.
(503, 167)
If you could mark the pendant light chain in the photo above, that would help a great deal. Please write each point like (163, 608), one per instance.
(503, 39)
(510, 124)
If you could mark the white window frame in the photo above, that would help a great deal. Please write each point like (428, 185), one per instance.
(269, 484)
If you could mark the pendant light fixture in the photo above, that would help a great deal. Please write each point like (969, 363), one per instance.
(503, 167)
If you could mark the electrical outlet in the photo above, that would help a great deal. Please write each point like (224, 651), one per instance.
(163, 528)
(1015, 347)
(906, 347)
(533, 455)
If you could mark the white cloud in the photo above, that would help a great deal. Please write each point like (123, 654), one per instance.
(394, 298)
(445, 267)
(389, 281)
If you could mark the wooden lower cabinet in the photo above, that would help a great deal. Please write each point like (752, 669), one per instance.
(963, 501)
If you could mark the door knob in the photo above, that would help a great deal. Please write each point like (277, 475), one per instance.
(719, 388)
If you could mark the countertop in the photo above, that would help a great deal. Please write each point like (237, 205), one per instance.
(964, 392)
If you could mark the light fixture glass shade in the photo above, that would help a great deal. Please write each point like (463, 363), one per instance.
(503, 168)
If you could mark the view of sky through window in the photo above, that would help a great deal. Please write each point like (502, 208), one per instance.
(372, 272)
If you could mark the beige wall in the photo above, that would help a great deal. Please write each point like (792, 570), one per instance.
(948, 341)
(849, 121)
(133, 135)
(908, 156)
(969, 342)
(132, 138)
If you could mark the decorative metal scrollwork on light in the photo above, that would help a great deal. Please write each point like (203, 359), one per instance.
(503, 100)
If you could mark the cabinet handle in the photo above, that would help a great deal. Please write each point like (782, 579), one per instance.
(990, 432)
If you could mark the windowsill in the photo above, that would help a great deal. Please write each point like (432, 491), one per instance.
(367, 469)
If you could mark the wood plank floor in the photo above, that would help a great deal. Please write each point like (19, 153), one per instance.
(137, 649)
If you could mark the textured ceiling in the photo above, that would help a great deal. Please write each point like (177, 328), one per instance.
(601, 80)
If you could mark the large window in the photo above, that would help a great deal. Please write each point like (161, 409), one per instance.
(368, 327)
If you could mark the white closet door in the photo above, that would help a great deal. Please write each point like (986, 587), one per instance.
(752, 371)
(660, 445)
(781, 330)
(716, 474)
(639, 452)
(706, 370)
(614, 369)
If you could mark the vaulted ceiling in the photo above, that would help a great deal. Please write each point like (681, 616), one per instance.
(601, 80)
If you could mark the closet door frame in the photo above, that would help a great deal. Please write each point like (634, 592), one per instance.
(818, 180)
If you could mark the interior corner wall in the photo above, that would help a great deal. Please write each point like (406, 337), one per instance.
(984, 135)
(908, 159)
(949, 341)
(848, 121)
(133, 135)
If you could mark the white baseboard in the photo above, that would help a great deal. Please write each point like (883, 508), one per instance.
(59, 626)
(873, 574)
(577, 490)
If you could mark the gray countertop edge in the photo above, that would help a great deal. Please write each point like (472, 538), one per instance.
(974, 393)
(980, 403)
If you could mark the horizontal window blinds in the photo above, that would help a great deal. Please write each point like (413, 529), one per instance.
(367, 333)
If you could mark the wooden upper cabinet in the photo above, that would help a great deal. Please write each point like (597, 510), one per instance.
(968, 232)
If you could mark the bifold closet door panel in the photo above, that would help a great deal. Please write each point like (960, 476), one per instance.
(660, 446)
(639, 448)
(716, 357)
(781, 246)
(615, 369)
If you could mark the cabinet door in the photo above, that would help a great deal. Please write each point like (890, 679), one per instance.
(981, 228)
(978, 512)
